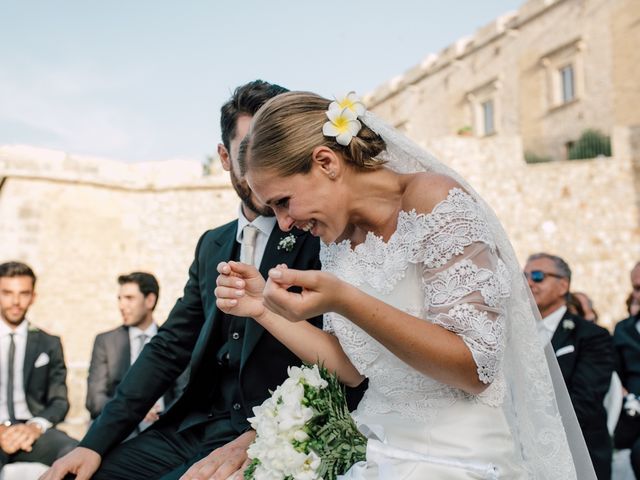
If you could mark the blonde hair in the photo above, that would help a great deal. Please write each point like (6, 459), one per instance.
(287, 129)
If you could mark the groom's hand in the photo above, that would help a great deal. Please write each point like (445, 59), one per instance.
(226, 462)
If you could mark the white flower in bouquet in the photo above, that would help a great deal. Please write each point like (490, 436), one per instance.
(304, 430)
(310, 375)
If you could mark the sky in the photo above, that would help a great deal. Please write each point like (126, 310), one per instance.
(141, 80)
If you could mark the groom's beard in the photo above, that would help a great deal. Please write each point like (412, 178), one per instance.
(246, 195)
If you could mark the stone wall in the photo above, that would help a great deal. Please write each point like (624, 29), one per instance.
(81, 222)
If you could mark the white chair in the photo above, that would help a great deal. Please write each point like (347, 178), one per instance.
(22, 471)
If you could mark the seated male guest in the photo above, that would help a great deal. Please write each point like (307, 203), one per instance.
(116, 350)
(584, 352)
(33, 392)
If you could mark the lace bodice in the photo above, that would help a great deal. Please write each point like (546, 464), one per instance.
(442, 267)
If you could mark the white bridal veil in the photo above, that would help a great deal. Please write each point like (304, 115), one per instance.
(537, 405)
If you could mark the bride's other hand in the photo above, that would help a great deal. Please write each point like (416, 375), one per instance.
(319, 293)
(239, 290)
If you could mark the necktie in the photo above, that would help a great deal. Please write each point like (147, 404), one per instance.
(249, 235)
(142, 341)
(10, 363)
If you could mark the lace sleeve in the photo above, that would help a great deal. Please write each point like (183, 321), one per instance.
(464, 280)
(327, 324)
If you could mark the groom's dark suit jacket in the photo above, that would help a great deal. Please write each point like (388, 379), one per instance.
(44, 376)
(110, 361)
(191, 337)
(585, 355)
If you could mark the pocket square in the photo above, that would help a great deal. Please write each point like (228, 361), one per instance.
(42, 360)
(565, 350)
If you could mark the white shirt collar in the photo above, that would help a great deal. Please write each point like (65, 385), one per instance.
(264, 224)
(21, 330)
(552, 320)
(150, 331)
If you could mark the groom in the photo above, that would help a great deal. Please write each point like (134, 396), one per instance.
(234, 362)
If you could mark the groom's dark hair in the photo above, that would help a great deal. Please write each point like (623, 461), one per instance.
(246, 100)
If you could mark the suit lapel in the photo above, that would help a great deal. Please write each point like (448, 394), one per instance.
(562, 335)
(123, 348)
(30, 355)
(272, 257)
(222, 252)
(632, 331)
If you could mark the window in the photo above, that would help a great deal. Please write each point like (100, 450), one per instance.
(564, 72)
(488, 117)
(484, 108)
(568, 83)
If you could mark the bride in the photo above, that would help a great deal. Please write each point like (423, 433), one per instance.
(421, 294)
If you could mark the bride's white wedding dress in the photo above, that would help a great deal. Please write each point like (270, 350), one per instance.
(442, 267)
(456, 268)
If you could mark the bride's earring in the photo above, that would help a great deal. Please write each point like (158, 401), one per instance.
(332, 175)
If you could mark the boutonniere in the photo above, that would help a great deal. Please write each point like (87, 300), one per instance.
(286, 243)
(32, 328)
(568, 324)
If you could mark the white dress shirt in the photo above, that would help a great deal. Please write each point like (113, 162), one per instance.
(134, 342)
(135, 350)
(548, 325)
(264, 225)
(20, 406)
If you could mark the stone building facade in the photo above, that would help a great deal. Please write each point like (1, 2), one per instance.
(546, 73)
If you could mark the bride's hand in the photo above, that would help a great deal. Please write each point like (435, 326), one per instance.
(239, 290)
(318, 295)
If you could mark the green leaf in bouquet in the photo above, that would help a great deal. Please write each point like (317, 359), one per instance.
(340, 444)
(250, 471)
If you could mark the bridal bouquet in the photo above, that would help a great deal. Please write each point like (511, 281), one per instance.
(304, 430)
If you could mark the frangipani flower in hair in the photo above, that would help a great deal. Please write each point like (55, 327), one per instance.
(343, 124)
(351, 101)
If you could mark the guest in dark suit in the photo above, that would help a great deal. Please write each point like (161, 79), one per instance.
(584, 352)
(233, 361)
(116, 350)
(33, 392)
(626, 341)
(633, 305)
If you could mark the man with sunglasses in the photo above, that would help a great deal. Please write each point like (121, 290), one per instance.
(584, 351)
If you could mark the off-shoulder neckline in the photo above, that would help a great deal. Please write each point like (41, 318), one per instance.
(346, 244)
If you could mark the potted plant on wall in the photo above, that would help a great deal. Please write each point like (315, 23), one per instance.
(465, 131)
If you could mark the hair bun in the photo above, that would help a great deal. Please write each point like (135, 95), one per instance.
(365, 147)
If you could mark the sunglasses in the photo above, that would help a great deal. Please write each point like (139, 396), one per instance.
(538, 276)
